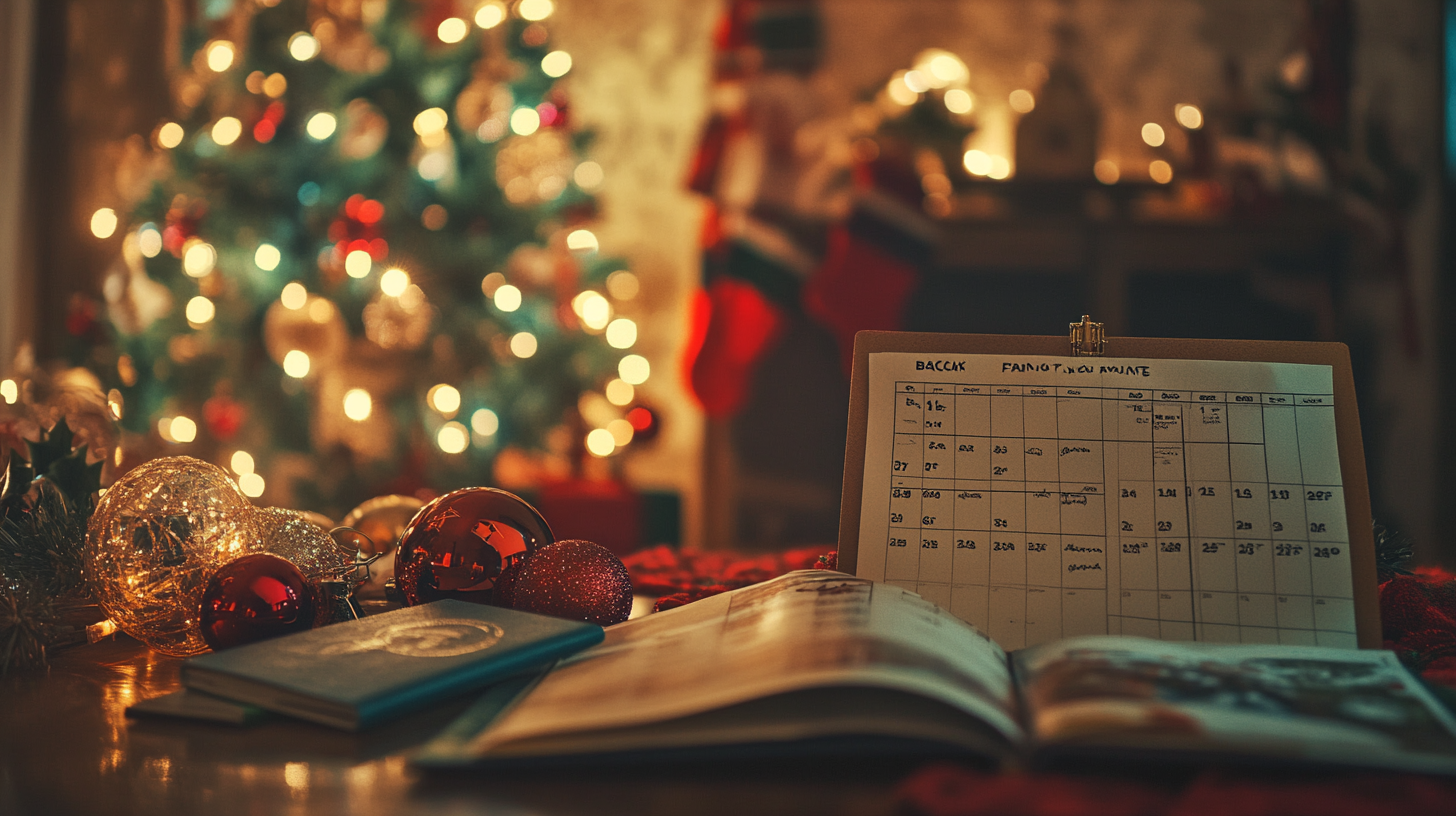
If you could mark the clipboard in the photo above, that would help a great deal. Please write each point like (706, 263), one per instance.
(1086, 339)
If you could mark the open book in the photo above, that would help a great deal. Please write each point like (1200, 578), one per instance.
(829, 663)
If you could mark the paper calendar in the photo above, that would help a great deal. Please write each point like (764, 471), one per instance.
(1039, 497)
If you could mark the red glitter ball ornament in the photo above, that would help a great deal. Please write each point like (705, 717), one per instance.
(458, 544)
(255, 598)
(574, 579)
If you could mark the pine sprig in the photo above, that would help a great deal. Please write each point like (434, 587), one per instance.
(43, 547)
(27, 625)
(1393, 551)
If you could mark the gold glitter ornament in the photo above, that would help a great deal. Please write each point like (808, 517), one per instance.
(383, 519)
(288, 534)
(156, 538)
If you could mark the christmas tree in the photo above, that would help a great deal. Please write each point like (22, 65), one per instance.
(364, 262)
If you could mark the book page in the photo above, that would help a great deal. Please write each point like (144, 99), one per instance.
(1360, 707)
(807, 629)
(1047, 497)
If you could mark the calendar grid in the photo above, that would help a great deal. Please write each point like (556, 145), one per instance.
(1002, 498)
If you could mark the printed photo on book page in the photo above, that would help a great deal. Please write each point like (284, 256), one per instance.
(1041, 497)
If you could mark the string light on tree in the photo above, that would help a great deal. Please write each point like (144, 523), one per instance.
(588, 175)
(1189, 116)
(1022, 101)
(200, 310)
(1161, 171)
(634, 369)
(220, 55)
(556, 64)
(1107, 171)
(242, 463)
(452, 30)
(149, 240)
(103, 222)
(358, 264)
(452, 437)
(293, 296)
(226, 130)
(507, 298)
(267, 257)
(620, 392)
(252, 485)
(535, 10)
(1153, 134)
(525, 121)
(490, 15)
(959, 101)
(484, 422)
(582, 241)
(444, 398)
(394, 282)
(523, 345)
(9, 391)
(296, 364)
(198, 258)
(358, 405)
(621, 333)
(170, 135)
(321, 126)
(977, 162)
(303, 47)
(600, 442)
(622, 285)
(621, 431)
(178, 429)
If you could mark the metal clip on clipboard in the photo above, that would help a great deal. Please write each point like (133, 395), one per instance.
(1087, 338)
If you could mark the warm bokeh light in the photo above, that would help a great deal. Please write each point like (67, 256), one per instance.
(1107, 171)
(452, 30)
(621, 431)
(491, 283)
(1000, 168)
(452, 437)
(358, 405)
(621, 333)
(620, 392)
(182, 429)
(220, 55)
(200, 310)
(267, 257)
(394, 281)
(227, 130)
(303, 47)
(430, 121)
(594, 310)
(945, 67)
(523, 344)
(170, 135)
(490, 15)
(588, 175)
(199, 259)
(1161, 171)
(275, 85)
(242, 463)
(977, 162)
(320, 310)
(525, 121)
(535, 10)
(114, 403)
(149, 241)
(917, 81)
(296, 364)
(251, 484)
(582, 241)
(1188, 116)
(507, 298)
(484, 422)
(556, 64)
(600, 442)
(1153, 134)
(321, 126)
(959, 101)
(622, 285)
(899, 92)
(444, 398)
(294, 296)
(434, 217)
(1022, 101)
(634, 368)
(9, 391)
(103, 222)
(358, 264)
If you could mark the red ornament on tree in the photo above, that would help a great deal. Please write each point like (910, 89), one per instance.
(458, 545)
(255, 598)
(574, 579)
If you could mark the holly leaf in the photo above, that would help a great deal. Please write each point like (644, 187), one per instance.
(54, 445)
(76, 479)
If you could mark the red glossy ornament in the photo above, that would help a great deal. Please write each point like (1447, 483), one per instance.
(458, 544)
(574, 579)
(255, 598)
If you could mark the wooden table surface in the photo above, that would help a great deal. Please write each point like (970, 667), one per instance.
(67, 746)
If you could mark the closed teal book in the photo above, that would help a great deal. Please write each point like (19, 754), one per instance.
(361, 673)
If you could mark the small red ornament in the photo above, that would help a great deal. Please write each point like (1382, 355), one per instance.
(255, 598)
(458, 544)
(574, 579)
(645, 424)
(223, 415)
